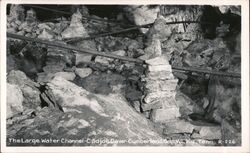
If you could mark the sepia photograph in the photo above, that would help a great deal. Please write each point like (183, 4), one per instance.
(123, 75)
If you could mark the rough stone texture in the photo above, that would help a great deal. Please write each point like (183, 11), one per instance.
(102, 83)
(142, 15)
(159, 68)
(162, 75)
(208, 132)
(153, 105)
(154, 96)
(161, 60)
(234, 9)
(187, 106)
(153, 49)
(86, 116)
(14, 100)
(83, 72)
(159, 30)
(103, 60)
(165, 114)
(83, 58)
(161, 85)
(27, 86)
(76, 28)
(16, 13)
(119, 53)
(70, 76)
(179, 126)
(46, 35)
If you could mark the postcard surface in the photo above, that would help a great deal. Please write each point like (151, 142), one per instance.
(126, 76)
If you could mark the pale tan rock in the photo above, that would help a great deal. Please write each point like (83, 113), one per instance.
(83, 58)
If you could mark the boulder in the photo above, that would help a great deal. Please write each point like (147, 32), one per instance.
(28, 88)
(70, 76)
(101, 83)
(14, 100)
(89, 116)
(83, 72)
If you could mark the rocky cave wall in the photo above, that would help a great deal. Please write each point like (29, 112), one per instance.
(81, 84)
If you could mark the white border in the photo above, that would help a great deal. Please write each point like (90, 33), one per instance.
(245, 79)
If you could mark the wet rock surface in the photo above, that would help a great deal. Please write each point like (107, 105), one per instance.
(64, 94)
